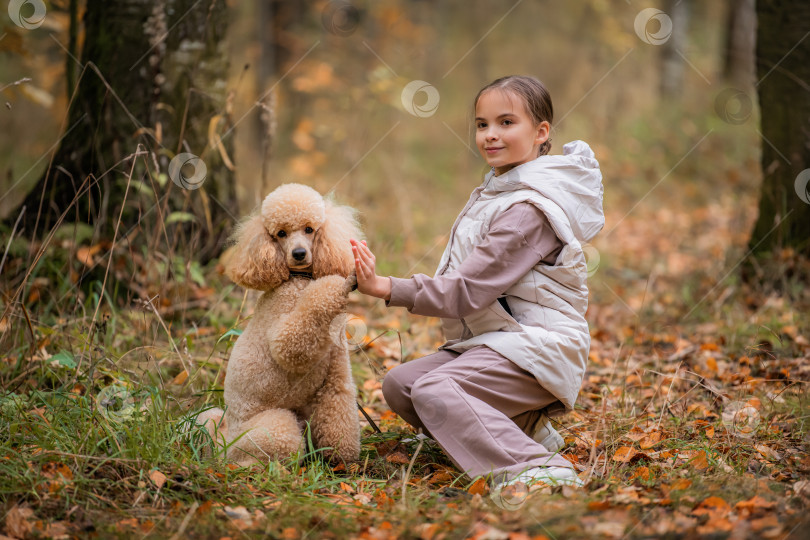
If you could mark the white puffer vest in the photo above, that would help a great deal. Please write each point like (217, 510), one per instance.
(546, 334)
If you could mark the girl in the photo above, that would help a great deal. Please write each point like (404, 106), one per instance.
(511, 292)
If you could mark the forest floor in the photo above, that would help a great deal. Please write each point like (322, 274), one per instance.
(692, 420)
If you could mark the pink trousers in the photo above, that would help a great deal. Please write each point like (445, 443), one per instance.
(478, 405)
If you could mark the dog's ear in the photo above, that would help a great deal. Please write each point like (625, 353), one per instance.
(256, 262)
(332, 251)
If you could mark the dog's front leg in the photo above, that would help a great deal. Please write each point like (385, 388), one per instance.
(333, 419)
(302, 337)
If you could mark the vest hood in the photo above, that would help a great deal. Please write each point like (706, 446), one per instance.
(572, 181)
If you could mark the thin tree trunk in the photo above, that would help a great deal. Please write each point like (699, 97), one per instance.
(672, 64)
(738, 63)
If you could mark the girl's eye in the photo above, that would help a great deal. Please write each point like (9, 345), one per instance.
(481, 125)
(281, 234)
(308, 230)
(508, 122)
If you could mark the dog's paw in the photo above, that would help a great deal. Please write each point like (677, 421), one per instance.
(351, 283)
(330, 292)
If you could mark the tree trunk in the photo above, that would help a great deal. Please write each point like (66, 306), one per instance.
(738, 63)
(165, 64)
(783, 69)
(672, 64)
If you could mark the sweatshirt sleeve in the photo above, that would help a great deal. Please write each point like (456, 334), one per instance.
(517, 240)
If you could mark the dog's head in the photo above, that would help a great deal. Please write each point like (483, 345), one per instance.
(297, 229)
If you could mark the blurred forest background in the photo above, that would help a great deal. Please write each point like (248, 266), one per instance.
(110, 251)
(312, 92)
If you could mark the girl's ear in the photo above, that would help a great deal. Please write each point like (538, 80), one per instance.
(332, 251)
(256, 262)
(543, 132)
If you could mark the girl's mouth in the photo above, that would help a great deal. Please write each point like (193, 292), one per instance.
(492, 150)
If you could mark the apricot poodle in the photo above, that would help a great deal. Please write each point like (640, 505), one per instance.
(291, 363)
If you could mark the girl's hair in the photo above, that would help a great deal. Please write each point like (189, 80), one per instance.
(535, 96)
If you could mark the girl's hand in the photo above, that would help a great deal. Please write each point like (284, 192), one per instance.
(368, 282)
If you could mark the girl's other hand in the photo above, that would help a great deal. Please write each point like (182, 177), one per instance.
(368, 282)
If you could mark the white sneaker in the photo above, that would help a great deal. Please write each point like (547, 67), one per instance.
(418, 437)
(546, 435)
(511, 494)
(553, 476)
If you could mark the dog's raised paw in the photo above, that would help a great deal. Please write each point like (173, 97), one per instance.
(351, 283)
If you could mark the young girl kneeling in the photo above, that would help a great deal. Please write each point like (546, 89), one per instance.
(511, 291)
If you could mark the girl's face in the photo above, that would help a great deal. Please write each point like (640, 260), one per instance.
(505, 134)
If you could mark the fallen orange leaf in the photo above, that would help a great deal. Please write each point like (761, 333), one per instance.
(624, 454)
(158, 478)
(427, 531)
(290, 533)
(752, 505)
(641, 472)
(681, 484)
(441, 477)
(397, 457)
(479, 487)
(131, 523)
(714, 507)
(598, 505)
(346, 487)
(635, 434)
(382, 499)
(650, 440)
(181, 377)
(700, 461)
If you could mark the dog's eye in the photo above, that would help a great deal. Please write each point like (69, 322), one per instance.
(308, 230)
(281, 234)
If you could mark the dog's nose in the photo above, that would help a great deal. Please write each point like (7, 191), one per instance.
(299, 254)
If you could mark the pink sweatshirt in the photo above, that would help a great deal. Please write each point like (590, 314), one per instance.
(517, 240)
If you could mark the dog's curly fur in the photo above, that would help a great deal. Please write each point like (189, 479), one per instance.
(291, 363)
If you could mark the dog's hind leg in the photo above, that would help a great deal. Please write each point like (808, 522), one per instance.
(270, 435)
(212, 420)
